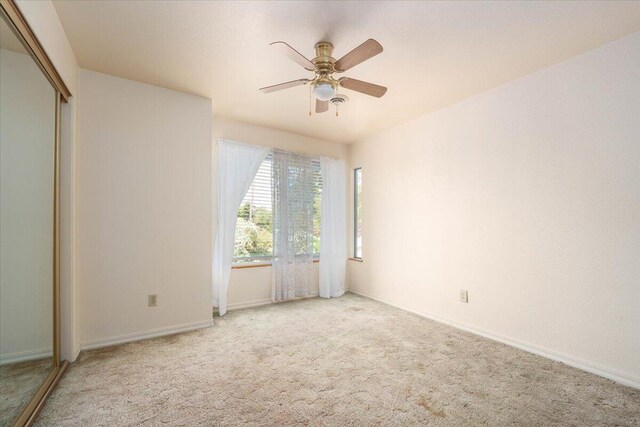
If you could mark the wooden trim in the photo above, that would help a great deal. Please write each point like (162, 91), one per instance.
(21, 27)
(355, 259)
(256, 265)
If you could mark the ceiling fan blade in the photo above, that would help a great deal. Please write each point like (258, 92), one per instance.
(286, 85)
(363, 87)
(322, 106)
(294, 55)
(366, 50)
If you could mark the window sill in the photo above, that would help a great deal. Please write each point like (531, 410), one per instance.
(355, 259)
(257, 265)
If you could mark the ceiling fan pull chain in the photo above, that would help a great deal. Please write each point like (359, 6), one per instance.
(310, 102)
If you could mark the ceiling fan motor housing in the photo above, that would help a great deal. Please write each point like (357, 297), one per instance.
(323, 60)
(324, 63)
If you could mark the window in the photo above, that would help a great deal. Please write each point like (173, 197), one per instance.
(357, 213)
(254, 231)
(254, 241)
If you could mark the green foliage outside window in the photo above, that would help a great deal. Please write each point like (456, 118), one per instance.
(253, 232)
(254, 229)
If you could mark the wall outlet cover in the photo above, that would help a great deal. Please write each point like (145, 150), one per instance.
(153, 300)
(464, 296)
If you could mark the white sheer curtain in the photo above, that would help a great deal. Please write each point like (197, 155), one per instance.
(292, 189)
(237, 165)
(333, 234)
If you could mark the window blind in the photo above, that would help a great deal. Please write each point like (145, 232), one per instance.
(254, 227)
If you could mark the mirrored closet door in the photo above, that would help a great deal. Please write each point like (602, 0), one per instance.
(29, 127)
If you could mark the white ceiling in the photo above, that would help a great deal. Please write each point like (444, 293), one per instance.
(435, 53)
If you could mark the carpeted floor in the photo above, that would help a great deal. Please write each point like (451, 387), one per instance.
(348, 361)
(18, 383)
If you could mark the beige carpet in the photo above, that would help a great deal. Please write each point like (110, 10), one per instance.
(18, 383)
(348, 361)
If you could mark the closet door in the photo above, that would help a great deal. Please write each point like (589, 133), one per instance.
(29, 224)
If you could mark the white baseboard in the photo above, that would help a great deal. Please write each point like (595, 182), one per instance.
(247, 304)
(24, 356)
(259, 302)
(121, 339)
(590, 367)
(153, 333)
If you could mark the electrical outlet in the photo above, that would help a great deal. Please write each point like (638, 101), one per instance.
(153, 300)
(464, 296)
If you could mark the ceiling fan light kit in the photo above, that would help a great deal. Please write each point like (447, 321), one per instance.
(324, 91)
(324, 85)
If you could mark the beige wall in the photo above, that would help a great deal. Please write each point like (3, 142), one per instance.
(44, 21)
(143, 202)
(247, 286)
(252, 286)
(146, 210)
(527, 196)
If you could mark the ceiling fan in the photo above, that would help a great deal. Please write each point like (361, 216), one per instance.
(324, 85)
